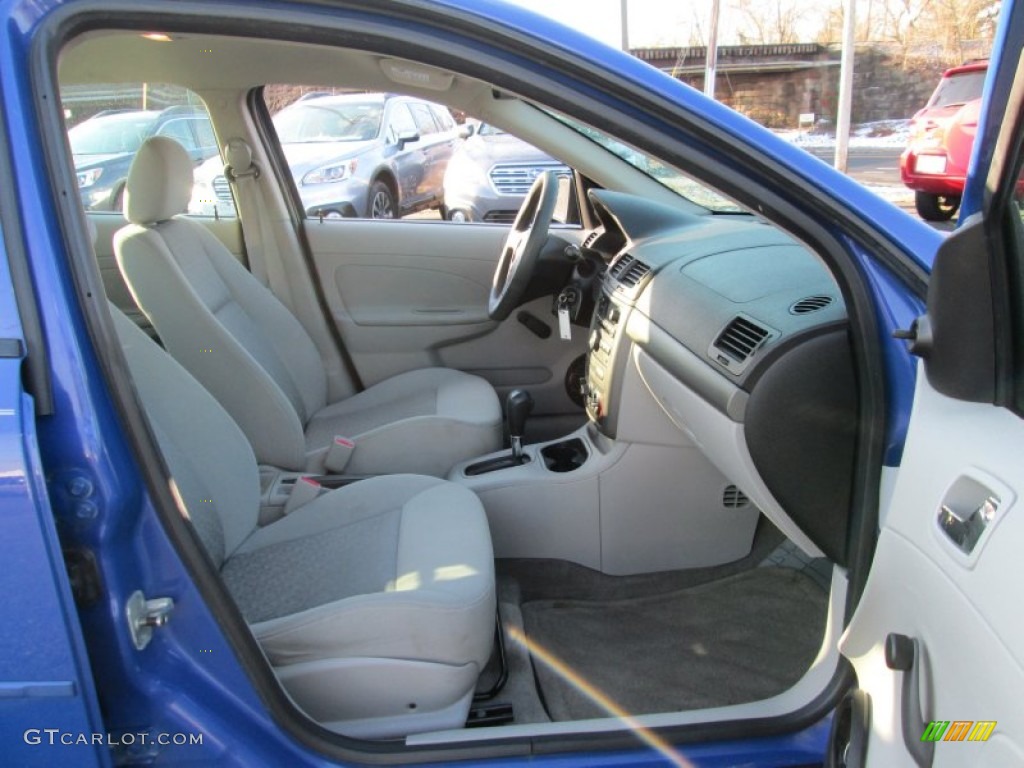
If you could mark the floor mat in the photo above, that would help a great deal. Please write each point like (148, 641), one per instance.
(740, 639)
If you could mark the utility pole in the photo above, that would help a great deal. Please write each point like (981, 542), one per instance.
(624, 26)
(711, 60)
(845, 87)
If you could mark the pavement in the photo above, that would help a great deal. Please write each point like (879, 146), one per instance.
(880, 167)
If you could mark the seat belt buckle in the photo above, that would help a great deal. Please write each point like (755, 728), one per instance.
(306, 489)
(339, 454)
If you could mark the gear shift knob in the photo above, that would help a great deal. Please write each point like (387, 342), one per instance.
(518, 404)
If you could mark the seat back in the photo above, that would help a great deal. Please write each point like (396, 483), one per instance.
(212, 315)
(211, 463)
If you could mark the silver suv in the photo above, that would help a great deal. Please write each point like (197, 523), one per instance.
(490, 174)
(357, 155)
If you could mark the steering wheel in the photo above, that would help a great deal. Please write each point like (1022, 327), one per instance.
(522, 246)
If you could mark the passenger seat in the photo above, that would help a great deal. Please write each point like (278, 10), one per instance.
(250, 352)
(374, 603)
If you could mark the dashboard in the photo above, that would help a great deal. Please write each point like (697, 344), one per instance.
(740, 334)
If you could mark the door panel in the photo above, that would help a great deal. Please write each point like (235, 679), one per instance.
(963, 610)
(409, 294)
(936, 637)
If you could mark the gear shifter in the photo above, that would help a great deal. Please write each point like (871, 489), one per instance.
(518, 405)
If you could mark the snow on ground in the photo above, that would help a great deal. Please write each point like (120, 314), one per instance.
(883, 133)
(890, 134)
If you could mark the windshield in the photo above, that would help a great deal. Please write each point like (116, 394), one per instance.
(308, 123)
(958, 89)
(111, 134)
(664, 174)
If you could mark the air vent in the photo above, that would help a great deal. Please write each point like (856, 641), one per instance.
(629, 271)
(810, 304)
(741, 338)
(734, 498)
(591, 239)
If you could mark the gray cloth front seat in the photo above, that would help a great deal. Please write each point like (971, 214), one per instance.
(251, 353)
(374, 603)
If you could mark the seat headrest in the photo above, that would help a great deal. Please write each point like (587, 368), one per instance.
(159, 184)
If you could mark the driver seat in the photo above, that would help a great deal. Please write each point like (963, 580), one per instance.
(253, 355)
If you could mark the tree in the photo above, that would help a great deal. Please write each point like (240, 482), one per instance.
(769, 23)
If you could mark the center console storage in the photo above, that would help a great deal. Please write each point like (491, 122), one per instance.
(566, 456)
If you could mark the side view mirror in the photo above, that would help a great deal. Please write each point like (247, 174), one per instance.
(407, 137)
(466, 130)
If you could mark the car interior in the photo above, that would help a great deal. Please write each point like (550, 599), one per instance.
(630, 434)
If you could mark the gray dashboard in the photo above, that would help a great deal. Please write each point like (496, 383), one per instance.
(749, 320)
(707, 271)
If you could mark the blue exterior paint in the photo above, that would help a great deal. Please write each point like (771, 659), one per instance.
(45, 681)
(1006, 50)
(75, 467)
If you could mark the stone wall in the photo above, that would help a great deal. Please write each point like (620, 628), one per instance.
(776, 84)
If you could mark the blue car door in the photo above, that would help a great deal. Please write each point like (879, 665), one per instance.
(48, 710)
(936, 639)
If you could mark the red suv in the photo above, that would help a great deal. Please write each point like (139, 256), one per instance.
(934, 164)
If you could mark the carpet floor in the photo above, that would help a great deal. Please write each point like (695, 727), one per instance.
(738, 639)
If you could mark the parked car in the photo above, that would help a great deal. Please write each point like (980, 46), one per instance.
(490, 173)
(766, 509)
(104, 146)
(375, 155)
(934, 164)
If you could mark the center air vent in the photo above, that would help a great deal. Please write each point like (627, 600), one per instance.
(629, 271)
(737, 342)
(810, 304)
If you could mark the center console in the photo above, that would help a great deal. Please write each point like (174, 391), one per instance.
(606, 359)
(626, 493)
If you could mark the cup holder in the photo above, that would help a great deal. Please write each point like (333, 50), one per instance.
(565, 456)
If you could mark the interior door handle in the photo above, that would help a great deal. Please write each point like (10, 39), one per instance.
(965, 530)
(969, 512)
(903, 654)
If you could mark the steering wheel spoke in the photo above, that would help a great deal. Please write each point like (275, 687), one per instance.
(522, 247)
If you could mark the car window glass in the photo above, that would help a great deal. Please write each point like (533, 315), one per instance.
(400, 123)
(180, 131)
(425, 124)
(958, 89)
(350, 156)
(670, 177)
(106, 125)
(443, 117)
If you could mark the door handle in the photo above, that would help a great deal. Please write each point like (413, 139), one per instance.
(965, 530)
(903, 654)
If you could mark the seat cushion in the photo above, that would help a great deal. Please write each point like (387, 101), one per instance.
(397, 567)
(423, 422)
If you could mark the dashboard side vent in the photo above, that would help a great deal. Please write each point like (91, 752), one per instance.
(734, 498)
(630, 271)
(621, 265)
(741, 338)
(810, 304)
(591, 239)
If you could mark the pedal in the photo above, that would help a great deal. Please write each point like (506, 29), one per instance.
(490, 714)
